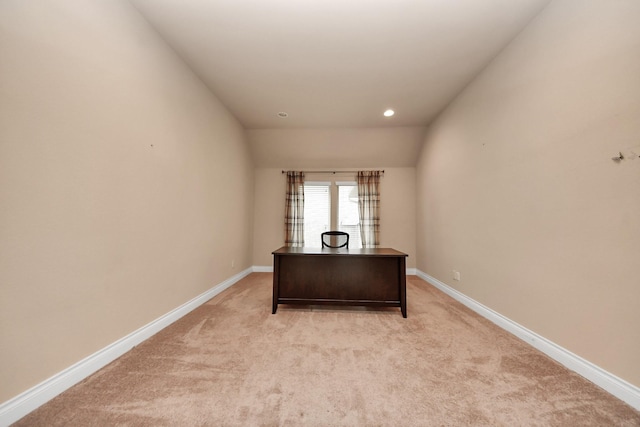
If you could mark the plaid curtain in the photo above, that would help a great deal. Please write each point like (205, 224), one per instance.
(369, 207)
(294, 210)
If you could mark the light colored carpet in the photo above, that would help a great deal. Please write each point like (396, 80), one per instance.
(232, 363)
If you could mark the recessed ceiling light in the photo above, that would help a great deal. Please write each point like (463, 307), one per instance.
(283, 115)
(389, 113)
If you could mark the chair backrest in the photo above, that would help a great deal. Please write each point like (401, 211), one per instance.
(335, 239)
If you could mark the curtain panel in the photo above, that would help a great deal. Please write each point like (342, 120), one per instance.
(294, 210)
(369, 207)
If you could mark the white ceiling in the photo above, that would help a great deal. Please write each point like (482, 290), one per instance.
(337, 63)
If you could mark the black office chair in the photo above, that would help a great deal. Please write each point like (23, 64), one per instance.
(335, 239)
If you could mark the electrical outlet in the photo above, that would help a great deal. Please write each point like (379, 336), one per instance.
(233, 263)
(456, 275)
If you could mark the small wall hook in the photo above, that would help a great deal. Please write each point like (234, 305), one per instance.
(617, 159)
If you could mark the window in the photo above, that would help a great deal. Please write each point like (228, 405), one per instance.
(317, 212)
(321, 214)
(348, 219)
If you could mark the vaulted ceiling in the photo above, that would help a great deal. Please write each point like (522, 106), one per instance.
(334, 67)
(337, 63)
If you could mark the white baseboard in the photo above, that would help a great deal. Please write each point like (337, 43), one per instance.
(616, 386)
(16, 408)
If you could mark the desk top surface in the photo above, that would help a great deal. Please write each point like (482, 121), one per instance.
(347, 252)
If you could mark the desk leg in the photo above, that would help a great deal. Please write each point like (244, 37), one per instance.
(276, 283)
(403, 287)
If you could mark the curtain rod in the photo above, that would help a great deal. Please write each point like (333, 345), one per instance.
(331, 172)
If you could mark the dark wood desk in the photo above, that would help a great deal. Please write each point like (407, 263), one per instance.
(370, 277)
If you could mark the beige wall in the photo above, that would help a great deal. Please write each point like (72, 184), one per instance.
(397, 210)
(125, 187)
(359, 148)
(518, 192)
